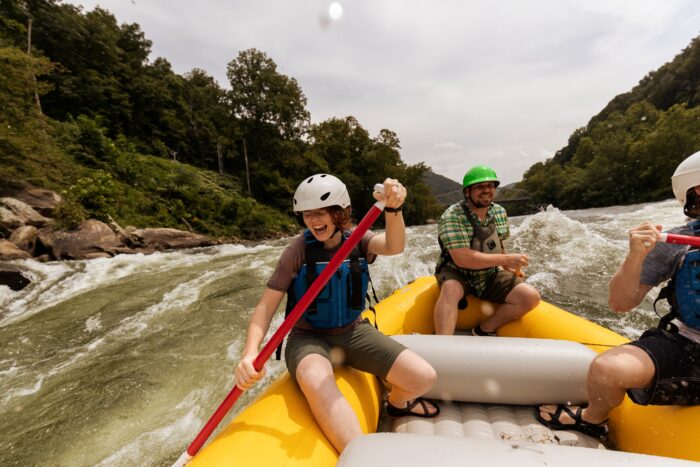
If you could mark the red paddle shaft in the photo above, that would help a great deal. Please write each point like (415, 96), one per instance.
(679, 239)
(286, 326)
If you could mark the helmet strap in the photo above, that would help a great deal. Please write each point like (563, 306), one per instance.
(470, 199)
(467, 192)
(335, 232)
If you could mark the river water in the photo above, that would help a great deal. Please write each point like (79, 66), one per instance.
(120, 361)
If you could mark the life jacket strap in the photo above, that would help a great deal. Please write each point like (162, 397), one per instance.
(291, 300)
(355, 278)
(369, 301)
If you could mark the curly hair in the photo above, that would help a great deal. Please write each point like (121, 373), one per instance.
(342, 218)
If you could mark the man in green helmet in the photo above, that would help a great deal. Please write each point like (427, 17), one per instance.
(474, 261)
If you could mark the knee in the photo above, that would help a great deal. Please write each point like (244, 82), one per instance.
(429, 376)
(311, 374)
(451, 291)
(533, 298)
(603, 369)
(424, 377)
(530, 298)
(412, 373)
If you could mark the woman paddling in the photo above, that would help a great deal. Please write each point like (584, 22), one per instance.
(333, 321)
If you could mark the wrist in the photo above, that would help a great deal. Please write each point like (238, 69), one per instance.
(634, 259)
(248, 354)
(394, 210)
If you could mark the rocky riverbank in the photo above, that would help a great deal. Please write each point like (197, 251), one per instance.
(27, 230)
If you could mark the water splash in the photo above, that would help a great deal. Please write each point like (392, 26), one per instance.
(131, 354)
(57, 282)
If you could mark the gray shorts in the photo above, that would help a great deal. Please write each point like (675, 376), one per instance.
(362, 347)
(498, 288)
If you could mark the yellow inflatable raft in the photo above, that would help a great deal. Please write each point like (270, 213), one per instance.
(277, 429)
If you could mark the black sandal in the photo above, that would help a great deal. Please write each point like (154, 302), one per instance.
(596, 430)
(477, 331)
(408, 410)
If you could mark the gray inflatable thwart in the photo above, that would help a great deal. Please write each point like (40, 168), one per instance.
(410, 450)
(504, 370)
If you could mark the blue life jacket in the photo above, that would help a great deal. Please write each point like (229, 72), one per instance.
(683, 292)
(342, 300)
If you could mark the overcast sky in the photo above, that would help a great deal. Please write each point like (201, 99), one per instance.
(462, 82)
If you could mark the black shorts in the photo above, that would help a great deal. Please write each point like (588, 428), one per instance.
(677, 377)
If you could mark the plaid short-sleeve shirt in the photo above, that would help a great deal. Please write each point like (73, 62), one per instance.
(455, 231)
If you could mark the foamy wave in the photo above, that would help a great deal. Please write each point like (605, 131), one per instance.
(543, 279)
(23, 392)
(56, 282)
(93, 323)
(418, 259)
(178, 299)
(557, 243)
(9, 372)
(154, 444)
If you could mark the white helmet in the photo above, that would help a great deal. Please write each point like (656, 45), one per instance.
(686, 176)
(320, 191)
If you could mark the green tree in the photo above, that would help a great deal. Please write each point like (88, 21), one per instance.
(211, 129)
(361, 162)
(159, 106)
(262, 96)
(271, 108)
(17, 85)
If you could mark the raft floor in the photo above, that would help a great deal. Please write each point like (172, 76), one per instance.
(511, 423)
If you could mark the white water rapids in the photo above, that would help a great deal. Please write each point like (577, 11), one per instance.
(120, 361)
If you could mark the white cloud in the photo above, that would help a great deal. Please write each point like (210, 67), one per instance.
(448, 146)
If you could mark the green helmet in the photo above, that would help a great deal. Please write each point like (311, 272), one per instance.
(479, 174)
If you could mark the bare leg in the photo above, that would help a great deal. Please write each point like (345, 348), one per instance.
(519, 301)
(609, 377)
(328, 405)
(410, 377)
(445, 315)
(611, 374)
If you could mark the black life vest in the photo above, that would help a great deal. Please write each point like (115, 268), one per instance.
(484, 239)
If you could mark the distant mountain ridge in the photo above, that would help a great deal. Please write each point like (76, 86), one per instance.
(446, 191)
(628, 151)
